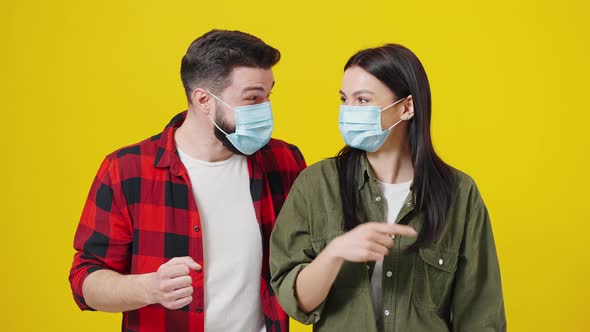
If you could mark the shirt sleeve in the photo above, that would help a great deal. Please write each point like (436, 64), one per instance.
(104, 233)
(478, 302)
(290, 252)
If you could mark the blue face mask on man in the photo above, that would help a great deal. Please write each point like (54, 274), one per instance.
(254, 124)
(360, 126)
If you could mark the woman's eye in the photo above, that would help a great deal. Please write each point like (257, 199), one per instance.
(363, 100)
(342, 99)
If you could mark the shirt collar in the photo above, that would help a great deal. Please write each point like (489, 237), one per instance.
(366, 172)
(167, 155)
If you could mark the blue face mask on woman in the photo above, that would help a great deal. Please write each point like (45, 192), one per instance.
(360, 126)
(254, 124)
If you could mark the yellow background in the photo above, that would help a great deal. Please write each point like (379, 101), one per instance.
(80, 79)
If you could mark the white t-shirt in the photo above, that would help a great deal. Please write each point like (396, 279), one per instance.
(232, 244)
(395, 195)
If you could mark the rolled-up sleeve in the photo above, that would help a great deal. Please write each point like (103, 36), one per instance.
(479, 304)
(291, 251)
(104, 233)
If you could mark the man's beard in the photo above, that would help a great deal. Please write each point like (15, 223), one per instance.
(225, 127)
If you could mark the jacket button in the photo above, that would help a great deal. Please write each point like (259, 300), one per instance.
(199, 310)
(440, 262)
(197, 228)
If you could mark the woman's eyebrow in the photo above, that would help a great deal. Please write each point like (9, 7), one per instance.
(359, 92)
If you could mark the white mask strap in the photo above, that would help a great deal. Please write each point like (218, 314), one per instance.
(395, 124)
(215, 124)
(223, 102)
(397, 102)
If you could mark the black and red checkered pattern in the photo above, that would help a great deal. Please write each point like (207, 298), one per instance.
(141, 212)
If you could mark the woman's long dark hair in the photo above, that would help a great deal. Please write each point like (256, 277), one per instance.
(399, 69)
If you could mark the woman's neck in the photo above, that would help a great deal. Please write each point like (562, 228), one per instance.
(392, 163)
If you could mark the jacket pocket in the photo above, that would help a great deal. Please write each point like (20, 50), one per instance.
(434, 273)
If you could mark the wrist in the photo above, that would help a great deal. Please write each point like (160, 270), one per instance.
(148, 286)
(332, 253)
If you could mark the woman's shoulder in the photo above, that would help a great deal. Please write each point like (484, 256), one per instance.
(462, 179)
(321, 169)
(318, 175)
(465, 186)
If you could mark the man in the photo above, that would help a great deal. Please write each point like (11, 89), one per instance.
(175, 230)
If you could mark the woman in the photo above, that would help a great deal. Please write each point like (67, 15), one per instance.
(386, 236)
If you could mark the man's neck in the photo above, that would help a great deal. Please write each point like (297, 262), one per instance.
(195, 137)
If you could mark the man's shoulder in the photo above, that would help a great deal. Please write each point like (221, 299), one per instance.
(129, 159)
(283, 154)
(146, 147)
(277, 146)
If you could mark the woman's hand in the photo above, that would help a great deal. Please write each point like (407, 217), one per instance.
(370, 241)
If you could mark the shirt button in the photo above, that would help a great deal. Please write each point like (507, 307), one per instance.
(378, 199)
(389, 274)
(440, 261)
(197, 228)
(386, 312)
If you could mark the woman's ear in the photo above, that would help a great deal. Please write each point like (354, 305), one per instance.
(408, 110)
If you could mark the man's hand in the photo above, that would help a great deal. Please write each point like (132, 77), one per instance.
(171, 286)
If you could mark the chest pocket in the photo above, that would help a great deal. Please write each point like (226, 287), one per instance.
(434, 273)
(353, 277)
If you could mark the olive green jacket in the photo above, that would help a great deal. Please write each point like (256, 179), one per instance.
(452, 285)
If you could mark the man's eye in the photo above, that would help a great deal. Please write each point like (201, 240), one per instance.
(342, 99)
(363, 100)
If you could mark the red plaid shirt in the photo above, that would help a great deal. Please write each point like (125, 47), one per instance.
(141, 212)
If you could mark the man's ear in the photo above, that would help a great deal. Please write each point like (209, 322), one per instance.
(408, 110)
(201, 100)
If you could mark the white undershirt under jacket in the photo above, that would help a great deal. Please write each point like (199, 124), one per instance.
(232, 244)
(395, 196)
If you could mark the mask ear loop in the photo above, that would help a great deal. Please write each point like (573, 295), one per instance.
(383, 109)
(209, 116)
(223, 102)
(395, 124)
(397, 102)
(215, 124)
